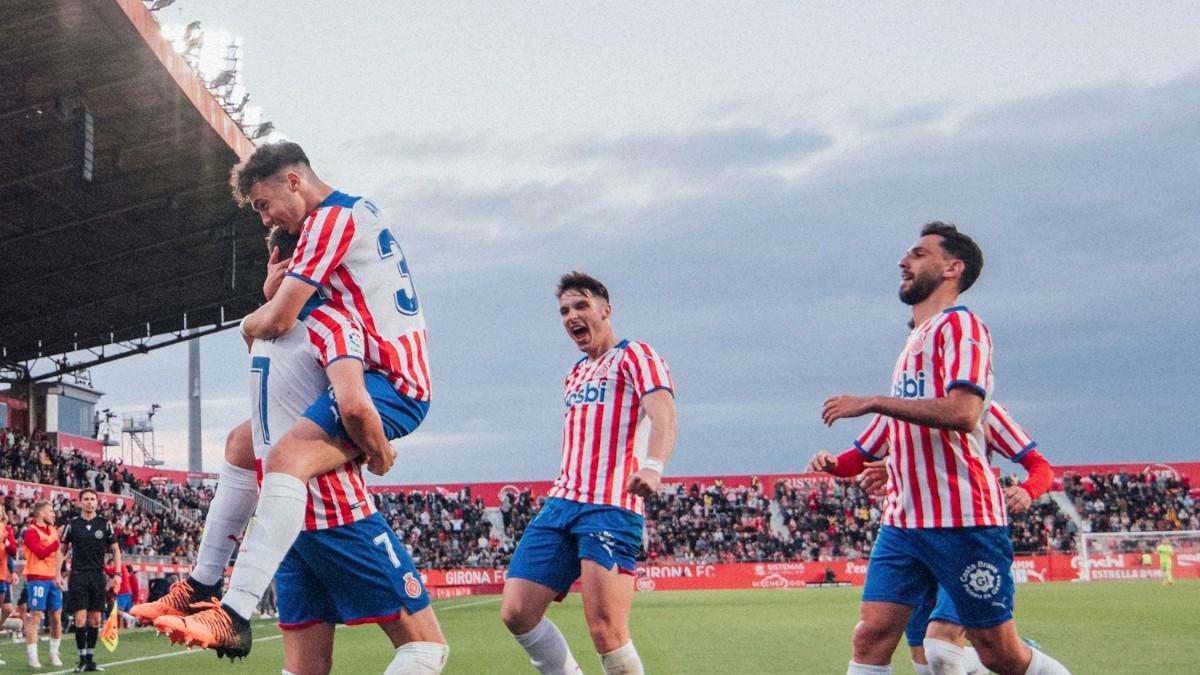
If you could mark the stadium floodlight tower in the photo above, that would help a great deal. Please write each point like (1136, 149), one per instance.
(137, 434)
(1103, 555)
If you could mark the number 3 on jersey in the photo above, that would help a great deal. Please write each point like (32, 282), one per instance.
(406, 295)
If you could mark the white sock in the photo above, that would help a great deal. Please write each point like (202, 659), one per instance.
(623, 660)
(922, 668)
(230, 510)
(418, 658)
(276, 524)
(54, 644)
(548, 650)
(945, 658)
(863, 669)
(972, 665)
(31, 650)
(1042, 664)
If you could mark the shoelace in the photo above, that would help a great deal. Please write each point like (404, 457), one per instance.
(179, 596)
(215, 619)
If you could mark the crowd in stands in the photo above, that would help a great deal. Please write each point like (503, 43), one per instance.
(713, 524)
(170, 527)
(819, 520)
(1124, 502)
(443, 529)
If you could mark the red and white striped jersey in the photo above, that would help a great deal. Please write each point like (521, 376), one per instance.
(605, 429)
(1004, 436)
(939, 477)
(288, 375)
(348, 252)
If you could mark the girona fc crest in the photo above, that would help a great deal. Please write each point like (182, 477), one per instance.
(412, 587)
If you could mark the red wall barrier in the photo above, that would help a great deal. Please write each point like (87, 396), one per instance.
(778, 575)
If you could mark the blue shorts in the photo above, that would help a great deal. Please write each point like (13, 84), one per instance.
(44, 596)
(356, 573)
(973, 565)
(939, 607)
(565, 532)
(124, 601)
(401, 415)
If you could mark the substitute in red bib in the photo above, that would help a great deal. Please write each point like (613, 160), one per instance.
(618, 433)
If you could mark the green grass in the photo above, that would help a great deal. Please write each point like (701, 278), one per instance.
(1094, 629)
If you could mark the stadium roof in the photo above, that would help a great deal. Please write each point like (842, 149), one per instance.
(152, 246)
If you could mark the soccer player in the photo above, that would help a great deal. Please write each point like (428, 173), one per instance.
(1166, 557)
(43, 565)
(88, 538)
(8, 551)
(935, 634)
(944, 521)
(375, 580)
(618, 433)
(347, 251)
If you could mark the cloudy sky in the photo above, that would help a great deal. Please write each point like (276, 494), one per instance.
(744, 177)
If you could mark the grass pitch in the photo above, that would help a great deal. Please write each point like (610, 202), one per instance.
(1094, 629)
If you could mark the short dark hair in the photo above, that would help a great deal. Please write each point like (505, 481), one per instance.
(960, 247)
(263, 163)
(283, 240)
(84, 491)
(581, 281)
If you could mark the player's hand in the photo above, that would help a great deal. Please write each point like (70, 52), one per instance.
(1018, 499)
(61, 582)
(276, 271)
(822, 462)
(838, 407)
(873, 479)
(380, 460)
(644, 483)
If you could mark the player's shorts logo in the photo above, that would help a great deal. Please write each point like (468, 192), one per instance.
(412, 587)
(980, 580)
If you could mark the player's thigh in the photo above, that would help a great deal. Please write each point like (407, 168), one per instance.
(523, 603)
(607, 595)
(420, 626)
(308, 651)
(306, 451)
(896, 574)
(239, 447)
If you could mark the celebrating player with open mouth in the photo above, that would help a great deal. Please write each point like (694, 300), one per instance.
(618, 433)
(945, 520)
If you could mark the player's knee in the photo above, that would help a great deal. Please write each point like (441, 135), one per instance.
(607, 634)
(517, 617)
(868, 636)
(239, 446)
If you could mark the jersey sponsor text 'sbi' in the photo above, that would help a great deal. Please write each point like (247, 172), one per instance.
(348, 251)
(605, 429)
(939, 477)
(288, 376)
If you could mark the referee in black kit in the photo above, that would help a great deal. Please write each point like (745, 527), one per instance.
(87, 538)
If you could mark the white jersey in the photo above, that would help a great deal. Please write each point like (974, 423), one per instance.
(288, 376)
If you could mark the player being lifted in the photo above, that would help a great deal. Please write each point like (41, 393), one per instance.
(944, 521)
(347, 252)
(618, 433)
(934, 631)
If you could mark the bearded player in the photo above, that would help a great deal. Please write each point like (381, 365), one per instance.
(934, 632)
(618, 432)
(945, 520)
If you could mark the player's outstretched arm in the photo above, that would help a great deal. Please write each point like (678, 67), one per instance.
(280, 312)
(660, 408)
(959, 410)
(359, 415)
